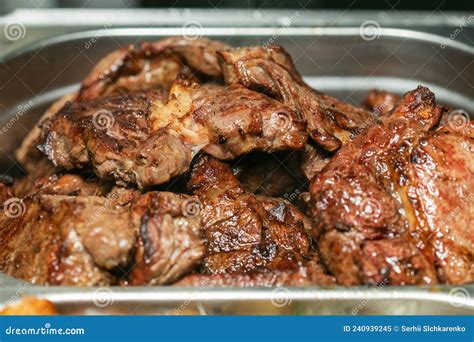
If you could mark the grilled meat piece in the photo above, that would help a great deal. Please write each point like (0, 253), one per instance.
(148, 66)
(139, 139)
(115, 134)
(128, 70)
(309, 275)
(169, 243)
(40, 244)
(30, 158)
(378, 206)
(380, 102)
(353, 259)
(245, 232)
(234, 120)
(356, 197)
(90, 240)
(152, 66)
(200, 55)
(441, 169)
(330, 122)
(104, 228)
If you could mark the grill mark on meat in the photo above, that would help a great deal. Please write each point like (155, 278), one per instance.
(169, 243)
(245, 232)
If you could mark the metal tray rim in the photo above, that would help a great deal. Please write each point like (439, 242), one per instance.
(252, 31)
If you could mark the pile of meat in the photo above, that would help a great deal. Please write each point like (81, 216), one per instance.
(192, 163)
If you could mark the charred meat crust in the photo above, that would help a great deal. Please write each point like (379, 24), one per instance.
(93, 240)
(389, 198)
(330, 122)
(371, 209)
(169, 243)
(139, 138)
(146, 66)
(246, 233)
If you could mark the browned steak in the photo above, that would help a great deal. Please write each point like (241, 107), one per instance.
(154, 65)
(27, 154)
(93, 240)
(115, 134)
(40, 242)
(138, 138)
(441, 181)
(147, 66)
(199, 54)
(379, 206)
(245, 232)
(234, 120)
(169, 243)
(330, 122)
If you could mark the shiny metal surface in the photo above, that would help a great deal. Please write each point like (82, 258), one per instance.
(305, 301)
(336, 60)
(45, 23)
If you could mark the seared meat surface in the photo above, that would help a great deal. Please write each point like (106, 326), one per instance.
(330, 122)
(41, 244)
(94, 240)
(115, 134)
(377, 207)
(27, 154)
(139, 138)
(245, 232)
(189, 162)
(153, 65)
(147, 66)
(441, 178)
(169, 243)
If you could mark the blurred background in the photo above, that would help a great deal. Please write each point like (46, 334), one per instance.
(443, 5)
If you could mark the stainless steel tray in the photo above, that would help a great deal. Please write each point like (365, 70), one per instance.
(336, 60)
